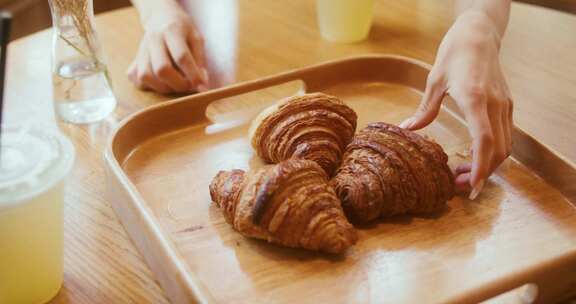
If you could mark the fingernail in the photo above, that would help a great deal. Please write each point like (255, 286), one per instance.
(476, 190)
(529, 293)
(407, 123)
(204, 75)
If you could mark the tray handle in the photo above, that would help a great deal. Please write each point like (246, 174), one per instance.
(246, 106)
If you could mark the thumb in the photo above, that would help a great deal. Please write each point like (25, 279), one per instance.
(428, 108)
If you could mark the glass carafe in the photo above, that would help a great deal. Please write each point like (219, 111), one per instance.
(81, 86)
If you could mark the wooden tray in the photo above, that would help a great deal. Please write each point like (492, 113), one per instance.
(521, 229)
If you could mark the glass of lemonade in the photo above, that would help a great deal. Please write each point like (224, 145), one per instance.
(33, 167)
(344, 20)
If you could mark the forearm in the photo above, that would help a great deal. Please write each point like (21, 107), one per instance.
(498, 11)
(147, 8)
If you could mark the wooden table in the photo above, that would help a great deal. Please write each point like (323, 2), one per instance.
(250, 39)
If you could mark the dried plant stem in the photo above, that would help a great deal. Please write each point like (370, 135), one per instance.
(77, 11)
(72, 45)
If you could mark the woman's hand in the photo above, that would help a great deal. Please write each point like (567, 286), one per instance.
(170, 58)
(467, 68)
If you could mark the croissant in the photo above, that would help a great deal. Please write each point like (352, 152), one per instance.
(313, 126)
(289, 203)
(387, 170)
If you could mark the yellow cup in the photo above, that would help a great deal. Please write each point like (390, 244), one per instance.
(33, 167)
(344, 20)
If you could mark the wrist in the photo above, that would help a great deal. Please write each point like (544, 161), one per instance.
(478, 28)
(151, 11)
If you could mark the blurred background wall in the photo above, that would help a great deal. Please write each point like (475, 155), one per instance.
(34, 15)
(562, 5)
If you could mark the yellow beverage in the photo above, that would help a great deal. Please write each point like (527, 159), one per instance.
(33, 165)
(344, 20)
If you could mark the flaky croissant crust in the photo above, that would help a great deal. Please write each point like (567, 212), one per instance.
(289, 203)
(313, 126)
(387, 170)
